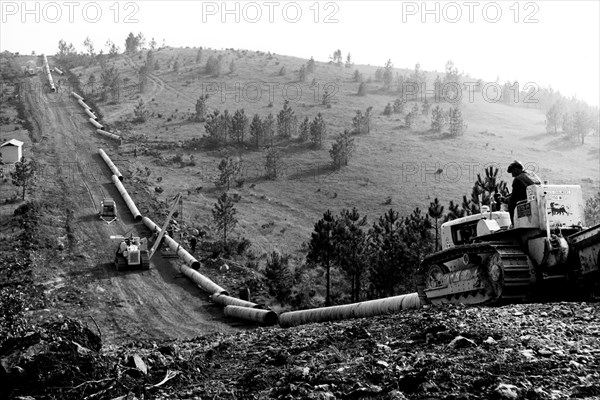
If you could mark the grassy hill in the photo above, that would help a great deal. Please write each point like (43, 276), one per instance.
(390, 162)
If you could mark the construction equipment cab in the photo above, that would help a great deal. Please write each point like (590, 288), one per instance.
(108, 210)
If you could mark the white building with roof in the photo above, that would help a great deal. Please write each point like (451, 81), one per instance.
(12, 151)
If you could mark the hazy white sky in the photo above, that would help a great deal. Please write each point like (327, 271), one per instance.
(545, 42)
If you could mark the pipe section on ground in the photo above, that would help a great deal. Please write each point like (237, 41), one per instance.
(202, 281)
(58, 71)
(225, 300)
(110, 164)
(48, 74)
(78, 97)
(130, 204)
(369, 308)
(108, 134)
(90, 113)
(265, 317)
(95, 123)
(82, 103)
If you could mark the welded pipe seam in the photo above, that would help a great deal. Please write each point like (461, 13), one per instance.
(82, 103)
(265, 317)
(225, 300)
(108, 134)
(110, 164)
(200, 280)
(356, 310)
(130, 204)
(90, 113)
(95, 123)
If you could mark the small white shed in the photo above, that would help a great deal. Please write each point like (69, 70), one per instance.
(11, 151)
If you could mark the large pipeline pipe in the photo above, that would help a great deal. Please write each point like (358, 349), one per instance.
(90, 113)
(108, 134)
(356, 310)
(58, 71)
(225, 300)
(48, 74)
(78, 97)
(128, 201)
(200, 279)
(95, 123)
(110, 164)
(82, 103)
(265, 317)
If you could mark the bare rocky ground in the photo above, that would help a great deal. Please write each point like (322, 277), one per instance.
(534, 351)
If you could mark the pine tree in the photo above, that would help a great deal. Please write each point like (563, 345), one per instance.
(349, 62)
(425, 107)
(456, 123)
(228, 168)
(341, 149)
(239, 124)
(581, 126)
(24, 174)
(224, 216)
(438, 119)
(304, 130)
(321, 248)
(269, 128)
(287, 122)
(350, 241)
(362, 89)
(399, 106)
(140, 112)
(257, 130)
(318, 131)
(201, 108)
(218, 125)
(213, 66)
(150, 61)
(272, 162)
(436, 210)
(278, 276)
(310, 66)
(409, 119)
(387, 251)
(553, 118)
(454, 212)
(388, 75)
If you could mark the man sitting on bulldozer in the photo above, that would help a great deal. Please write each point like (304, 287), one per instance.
(522, 179)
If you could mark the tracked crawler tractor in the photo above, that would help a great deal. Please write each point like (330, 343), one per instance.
(131, 253)
(548, 253)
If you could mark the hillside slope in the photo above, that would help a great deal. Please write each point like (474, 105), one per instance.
(391, 162)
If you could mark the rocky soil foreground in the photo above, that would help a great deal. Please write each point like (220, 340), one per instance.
(535, 351)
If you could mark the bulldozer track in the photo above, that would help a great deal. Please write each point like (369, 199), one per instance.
(516, 278)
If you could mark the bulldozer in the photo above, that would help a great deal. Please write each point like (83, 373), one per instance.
(131, 253)
(547, 252)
